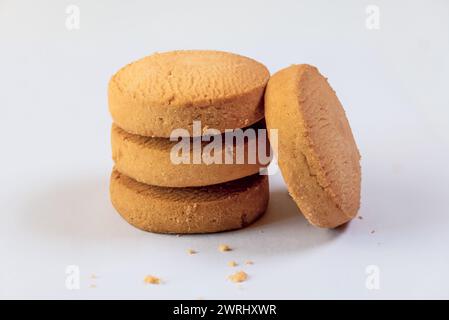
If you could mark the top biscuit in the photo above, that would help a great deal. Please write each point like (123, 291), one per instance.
(317, 153)
(167, 91)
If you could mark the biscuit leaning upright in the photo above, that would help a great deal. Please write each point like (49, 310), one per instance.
(317, 154)
(166, 91)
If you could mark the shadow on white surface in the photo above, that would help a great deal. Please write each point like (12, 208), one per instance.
(70, 210)
(80, 211)
(284, 229)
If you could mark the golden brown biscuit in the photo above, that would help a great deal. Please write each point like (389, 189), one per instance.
(147, 160)
(170, 90)
(222, 207)
(317, 154)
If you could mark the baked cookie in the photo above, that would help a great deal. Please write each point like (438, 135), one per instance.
(317, 154)
(148, 160)
(166, 91)
(221, 207)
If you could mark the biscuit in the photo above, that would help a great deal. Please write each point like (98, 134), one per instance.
(166, 91)
(216, 208)
(317, 154)
(148, 160)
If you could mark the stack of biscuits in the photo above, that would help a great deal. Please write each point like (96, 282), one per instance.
(168, 94)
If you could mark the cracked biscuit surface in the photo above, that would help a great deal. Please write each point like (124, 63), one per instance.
(317, 153)
(166, 91)
(216, 208)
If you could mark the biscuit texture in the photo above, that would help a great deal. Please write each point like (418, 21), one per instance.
(317, 153)
(148, 160)
(222, 207)
(166, 91)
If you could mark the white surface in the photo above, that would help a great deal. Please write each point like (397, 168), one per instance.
(55, 155)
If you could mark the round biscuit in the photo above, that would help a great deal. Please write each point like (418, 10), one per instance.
(149, 160)
(228, 206)
(166, 91)
(317, 153)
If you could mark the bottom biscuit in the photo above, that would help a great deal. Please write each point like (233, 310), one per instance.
(221, 207)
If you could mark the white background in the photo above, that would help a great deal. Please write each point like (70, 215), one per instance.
(55, 157)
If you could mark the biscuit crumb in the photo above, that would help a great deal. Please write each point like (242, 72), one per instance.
(232, 264)
(224, 248)
(238, 277)
(191, 252)
(249, 262)
(152, 280)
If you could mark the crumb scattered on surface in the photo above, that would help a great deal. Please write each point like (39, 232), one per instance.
(232, 264)
(360, 217)
(192, 252)
(92, 286)
(249, 262)
(238, 277)
(224, 248)
(152, 280)
(373, 231)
